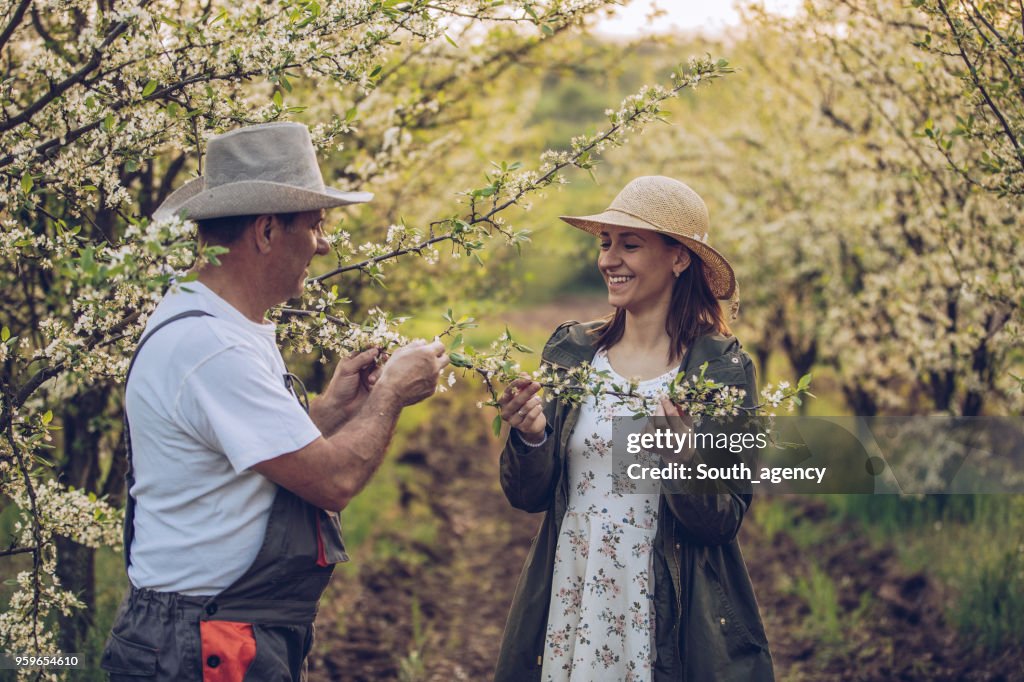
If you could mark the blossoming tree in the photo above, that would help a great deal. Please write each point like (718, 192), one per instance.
(105, 106)
(869, 183)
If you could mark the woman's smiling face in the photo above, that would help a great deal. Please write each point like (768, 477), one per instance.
(639, 267)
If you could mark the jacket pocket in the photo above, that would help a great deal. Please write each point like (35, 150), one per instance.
(280, 653)
(739, 639)
(727, 372)
(122, 657)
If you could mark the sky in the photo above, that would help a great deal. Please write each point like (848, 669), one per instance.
(708, 16)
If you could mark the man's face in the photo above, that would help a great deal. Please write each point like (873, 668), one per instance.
(302, 239)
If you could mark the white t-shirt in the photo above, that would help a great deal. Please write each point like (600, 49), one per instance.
(206, 400)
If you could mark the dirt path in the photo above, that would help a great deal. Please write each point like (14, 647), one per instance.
(460, 587)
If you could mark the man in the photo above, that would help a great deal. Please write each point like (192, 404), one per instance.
(231, 532)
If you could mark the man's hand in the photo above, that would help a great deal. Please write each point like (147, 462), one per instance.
(353, 378)
(332, 470)
(345, 394)
(411, 372)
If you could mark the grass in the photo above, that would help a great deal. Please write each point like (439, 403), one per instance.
(771, 516)
(412, 668)
(973, 544)
(991, 606)
(111, 583)
(819, 592)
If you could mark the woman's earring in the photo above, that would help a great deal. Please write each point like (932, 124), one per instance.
(675, 274)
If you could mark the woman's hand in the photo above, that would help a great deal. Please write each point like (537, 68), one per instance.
(671, 417)
(667, 408)
(522, 409)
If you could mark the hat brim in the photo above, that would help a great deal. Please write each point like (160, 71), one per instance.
(717, 270)
(193, 201)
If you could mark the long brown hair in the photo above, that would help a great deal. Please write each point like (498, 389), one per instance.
(693, 311)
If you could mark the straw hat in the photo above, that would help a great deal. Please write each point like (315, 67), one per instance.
(664, 205)
(256, 170)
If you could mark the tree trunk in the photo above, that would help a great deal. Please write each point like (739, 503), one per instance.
(75, 562)
(802, 355)
(76, 572)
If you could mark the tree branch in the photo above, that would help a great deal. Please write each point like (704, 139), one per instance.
(978, 84)
(498, 207)
(15, 21)
(17, 550)
(981, 16)
(62, 87)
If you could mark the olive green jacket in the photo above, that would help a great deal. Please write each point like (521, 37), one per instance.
(707, 625)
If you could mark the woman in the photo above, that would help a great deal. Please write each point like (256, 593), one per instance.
(637, 586)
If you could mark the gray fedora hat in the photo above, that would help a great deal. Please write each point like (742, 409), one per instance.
(260, 169)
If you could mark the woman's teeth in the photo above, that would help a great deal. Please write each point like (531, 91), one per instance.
(619, 280)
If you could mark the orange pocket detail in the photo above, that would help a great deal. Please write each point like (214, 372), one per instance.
(321, 553)
(228, 650)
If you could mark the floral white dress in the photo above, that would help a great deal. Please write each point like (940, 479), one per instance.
(601, 614)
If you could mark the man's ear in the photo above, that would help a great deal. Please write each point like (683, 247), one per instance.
(682, 260)
(262, 230)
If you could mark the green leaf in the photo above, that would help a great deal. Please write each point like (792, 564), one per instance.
(26, 182)
(459, 360)
(5, 334)
(149, 89)
(48, 417)
(450, 41)
(278, 99)
(496, 425)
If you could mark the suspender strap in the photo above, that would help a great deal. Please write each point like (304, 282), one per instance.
(129, 476)
(154, 330)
